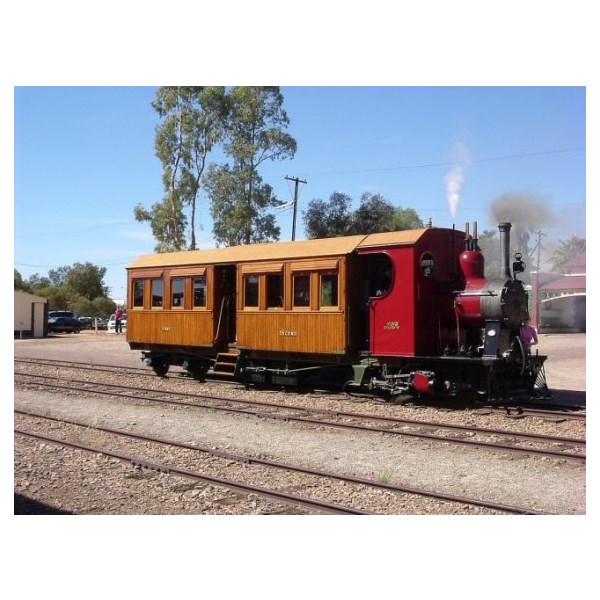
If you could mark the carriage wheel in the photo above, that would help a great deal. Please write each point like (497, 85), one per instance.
(160, 368)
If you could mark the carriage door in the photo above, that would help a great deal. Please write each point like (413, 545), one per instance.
(225, 309)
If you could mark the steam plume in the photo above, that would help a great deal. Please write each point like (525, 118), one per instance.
(455, 177)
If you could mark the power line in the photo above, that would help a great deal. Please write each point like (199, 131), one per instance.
(451, 163)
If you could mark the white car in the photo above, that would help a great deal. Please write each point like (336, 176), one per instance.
(110, 326)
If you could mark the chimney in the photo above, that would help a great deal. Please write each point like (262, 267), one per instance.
(505, 249)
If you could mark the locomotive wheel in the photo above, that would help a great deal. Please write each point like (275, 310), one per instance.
(160, 368)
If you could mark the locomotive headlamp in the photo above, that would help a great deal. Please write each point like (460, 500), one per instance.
(518, 265)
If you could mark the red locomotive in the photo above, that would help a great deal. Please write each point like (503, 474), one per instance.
(406, 312)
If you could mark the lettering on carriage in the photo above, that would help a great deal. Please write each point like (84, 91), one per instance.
(165, 329)
(286, 333)
(392, 325)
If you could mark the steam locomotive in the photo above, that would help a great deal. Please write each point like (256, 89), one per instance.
(401, 314)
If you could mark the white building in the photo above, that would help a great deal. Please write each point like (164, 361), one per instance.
(31, 314)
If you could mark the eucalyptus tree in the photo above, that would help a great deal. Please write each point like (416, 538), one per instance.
(374, 215)
(87, 280)
(405, 218)
(255, 133)
(329, 218)
(20, 283)
(192, 125)
(333, 218)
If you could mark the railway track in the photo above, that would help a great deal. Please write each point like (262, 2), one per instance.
(476, 437)
(394, 433)
(562, 412)
(141, 459)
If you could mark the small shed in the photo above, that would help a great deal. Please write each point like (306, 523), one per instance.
(31, 314)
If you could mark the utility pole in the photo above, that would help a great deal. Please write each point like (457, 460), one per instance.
(296, 181)
(535, 282)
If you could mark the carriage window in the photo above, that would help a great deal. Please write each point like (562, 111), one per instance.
(200, 291)
(177, 287)
(275, 290)
(329, 290)
(157, 292)
(251, 290)
(138, 293)
(301, 290)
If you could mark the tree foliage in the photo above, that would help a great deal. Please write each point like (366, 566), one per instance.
(240, 222)
(374, 215)
(192, 124)
(20, 284)
(328, 219)
(79, 287)
(567, 250)
(248, 126)
(86, 280)
(405, 218)
(254, 133)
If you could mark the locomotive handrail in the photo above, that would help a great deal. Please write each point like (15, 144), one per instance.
(475, 294)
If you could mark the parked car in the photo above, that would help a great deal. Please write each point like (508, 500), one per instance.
(111, 323)
(101, 323)
(86, 322)
(62, 313)
(64, 325)
(92, 323)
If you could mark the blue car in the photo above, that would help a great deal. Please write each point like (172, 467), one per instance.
(63, 325)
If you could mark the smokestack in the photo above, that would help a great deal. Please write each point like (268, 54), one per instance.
(504, 249)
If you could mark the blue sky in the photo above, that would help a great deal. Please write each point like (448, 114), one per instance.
(84, 157)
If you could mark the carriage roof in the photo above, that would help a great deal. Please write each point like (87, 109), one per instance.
(279, 250)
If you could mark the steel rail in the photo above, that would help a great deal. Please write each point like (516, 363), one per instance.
(336, 413)
(144, 371)
(472, 443)
(233, 485)
(285, 466)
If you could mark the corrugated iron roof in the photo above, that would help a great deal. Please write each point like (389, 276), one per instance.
(572, 283)
(575, 263)
(277, 250)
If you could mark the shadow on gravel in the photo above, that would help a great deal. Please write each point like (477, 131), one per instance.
(569, 398)
(28, 506)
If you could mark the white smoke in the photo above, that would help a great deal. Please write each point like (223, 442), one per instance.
(454, 179)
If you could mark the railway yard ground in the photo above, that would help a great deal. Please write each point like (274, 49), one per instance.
(235, 459)
(54, 479)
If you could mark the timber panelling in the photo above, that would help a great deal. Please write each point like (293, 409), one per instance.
(183, 328)
(292, 331)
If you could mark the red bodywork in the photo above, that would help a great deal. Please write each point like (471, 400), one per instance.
(417, 317)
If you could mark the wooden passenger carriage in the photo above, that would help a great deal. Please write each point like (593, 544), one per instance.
(308, 301)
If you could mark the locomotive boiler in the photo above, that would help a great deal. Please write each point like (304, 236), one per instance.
(406, 313)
